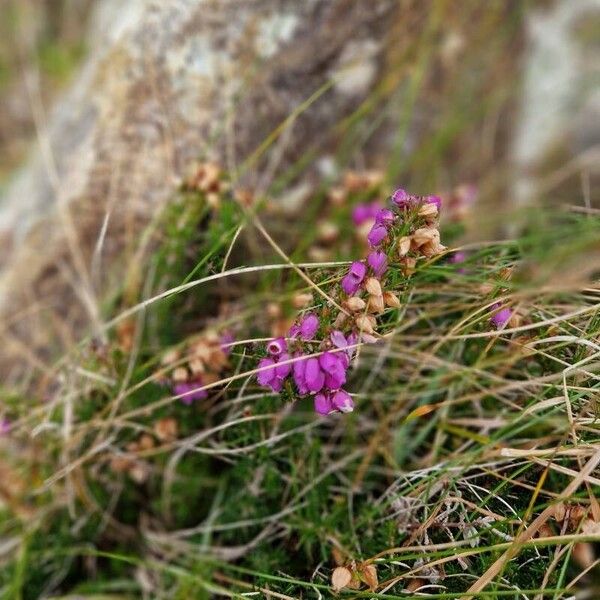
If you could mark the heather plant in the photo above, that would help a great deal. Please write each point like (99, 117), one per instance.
(346, 314)
(193, 462)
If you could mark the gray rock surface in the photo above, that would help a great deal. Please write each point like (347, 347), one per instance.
(560, 104)
(166, 82)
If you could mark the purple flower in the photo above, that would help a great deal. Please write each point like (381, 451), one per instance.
(191, 391)
(277, 346)
(377, 234)
(227, 340)
(401, 198)
(458, 257)
(351, 282)
(5, 426)
(282, 371)
(313, 375)
(434, 200)
(500, 318)
(323, 404)
(309, 326)
(299, 370)
(334, 367)
(339, 340)
(378, 262)
(384, 217)
(342, 401)
(273, 373)
(327, 403)
(363, 212)
(352, 341)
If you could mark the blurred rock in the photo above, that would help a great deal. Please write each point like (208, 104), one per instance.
(560, 103)
(164, 83)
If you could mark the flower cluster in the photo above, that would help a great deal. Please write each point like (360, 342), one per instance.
(322, 375)
(208, 178)
(501, 316)
(200, 363)
(316, 353)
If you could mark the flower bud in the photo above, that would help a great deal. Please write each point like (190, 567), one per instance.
(364, 323)
(340, 320)
(391, 300)
(403, 246)
(408, 265)
(428, 210)
(373, 286)
(355, 304)
(424, 235)
(180, 374)
(376, 304)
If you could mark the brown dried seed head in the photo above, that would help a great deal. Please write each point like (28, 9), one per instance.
(209, 378)
(213, 200)
(166, 429)
(583, 554)
(375, 304)
(337, 555)
(374, 177)
(403, 246)
(428, 210)
(337, 196)
(209, 178)
(119, 464)
(319, 254)
(408, 265)
(364, 323)
(201, 350)
(170, 356)
(340, 320)
(244, 197)
(576, 513)
(391, 300)
(327, 232)
(211, 336)
(545, 531)
(516, 320)
(354, 181)
(340, 578)
(415, 584)
(196, 366)
(138, 472)
(179, 374)
(126, 334)
(432, 248)
(354, 304)
(273, 310)
(559, 512)
(369, 575)
(217, 359)
(590, 527)
(145, 442)
(424, 235)
(373, 286)
(302, 300)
